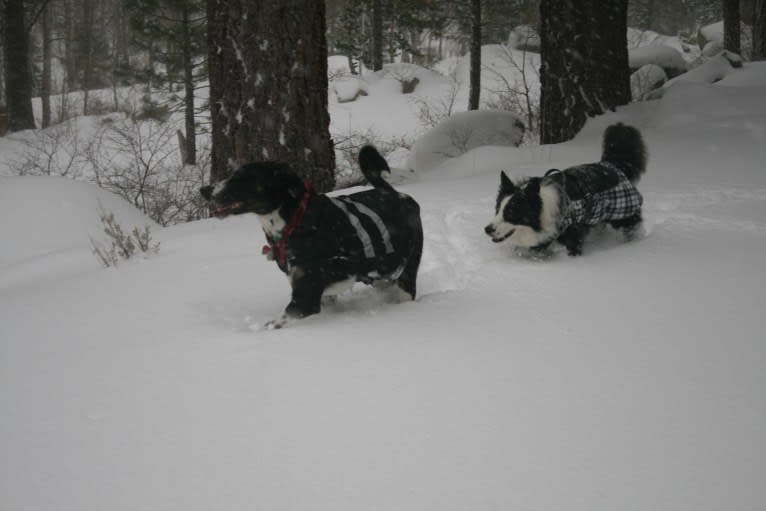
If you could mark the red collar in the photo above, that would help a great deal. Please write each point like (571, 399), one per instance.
(278, 247)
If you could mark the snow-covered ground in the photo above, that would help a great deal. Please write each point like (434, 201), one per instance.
(631, 378)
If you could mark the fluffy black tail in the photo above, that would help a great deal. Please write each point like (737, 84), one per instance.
(624, 147)
(372, 165)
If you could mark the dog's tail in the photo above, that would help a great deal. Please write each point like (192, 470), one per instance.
(373, 165)
(624, 147)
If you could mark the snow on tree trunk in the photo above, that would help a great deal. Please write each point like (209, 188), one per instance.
(269, 86)
(562, 71)
(584, 70)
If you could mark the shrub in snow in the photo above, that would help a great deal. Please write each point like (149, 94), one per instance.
(121, 245)
(514, 85)
(645, 80)
(524, 38)
(55, 151)
(462, 132)
(348, 89)
(669, 59)
(347, 146)
(434, 109)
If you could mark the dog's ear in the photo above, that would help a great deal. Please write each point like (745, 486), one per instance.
(506, 185)
(533, 187)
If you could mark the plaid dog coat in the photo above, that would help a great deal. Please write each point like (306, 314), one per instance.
(595, 193)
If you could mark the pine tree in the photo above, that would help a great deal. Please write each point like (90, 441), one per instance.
(171, 33)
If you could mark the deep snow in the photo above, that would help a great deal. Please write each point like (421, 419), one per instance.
(630, 378)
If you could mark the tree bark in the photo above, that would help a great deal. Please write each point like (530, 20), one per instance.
(274, 98)
(191, 131)
(562, 71)
(759, 31)
(225, 73)
(87, 51)
(608, 78)
(584, 64)
(377, 35)
(475, 72)
(45, 81)
(731, 32)
(18, 80)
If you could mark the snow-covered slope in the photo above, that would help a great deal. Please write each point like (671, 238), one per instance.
(629, 378)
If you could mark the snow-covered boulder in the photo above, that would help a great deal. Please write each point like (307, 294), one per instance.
(349, 88)
(713, 33)
(524, 38)
(669, 59)
(712, 48)
(711, 71)
(461, 133)
(645, 80)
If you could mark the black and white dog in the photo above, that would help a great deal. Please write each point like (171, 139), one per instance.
(563, 205)
(325, 244)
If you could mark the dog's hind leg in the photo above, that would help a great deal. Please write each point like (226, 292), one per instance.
(407, 281)
(630, 227)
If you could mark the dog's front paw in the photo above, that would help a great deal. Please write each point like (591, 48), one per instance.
(277, 323)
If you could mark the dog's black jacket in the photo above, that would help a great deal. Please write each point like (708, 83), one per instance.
(326, 238)
(369, 236)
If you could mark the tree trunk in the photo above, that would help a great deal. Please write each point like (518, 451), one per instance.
(87, 48)
(18, 80)
(584, 69)
(731, 32)
(191, 132)
(759, 31)
(607, 55)
(225, 74)
(45, 82)
(475, 73)
(562, 71)
(377, 35)
(274, 99)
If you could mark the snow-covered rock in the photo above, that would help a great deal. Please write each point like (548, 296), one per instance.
(669, 59)
(349, 88)
(462, 132)
(646, 79)
(712, 48)
(714, 33)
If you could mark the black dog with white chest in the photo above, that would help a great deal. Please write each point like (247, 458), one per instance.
(563, 205)
(324, 244)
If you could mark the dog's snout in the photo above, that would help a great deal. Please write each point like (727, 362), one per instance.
(206, 192)
(490, 229)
